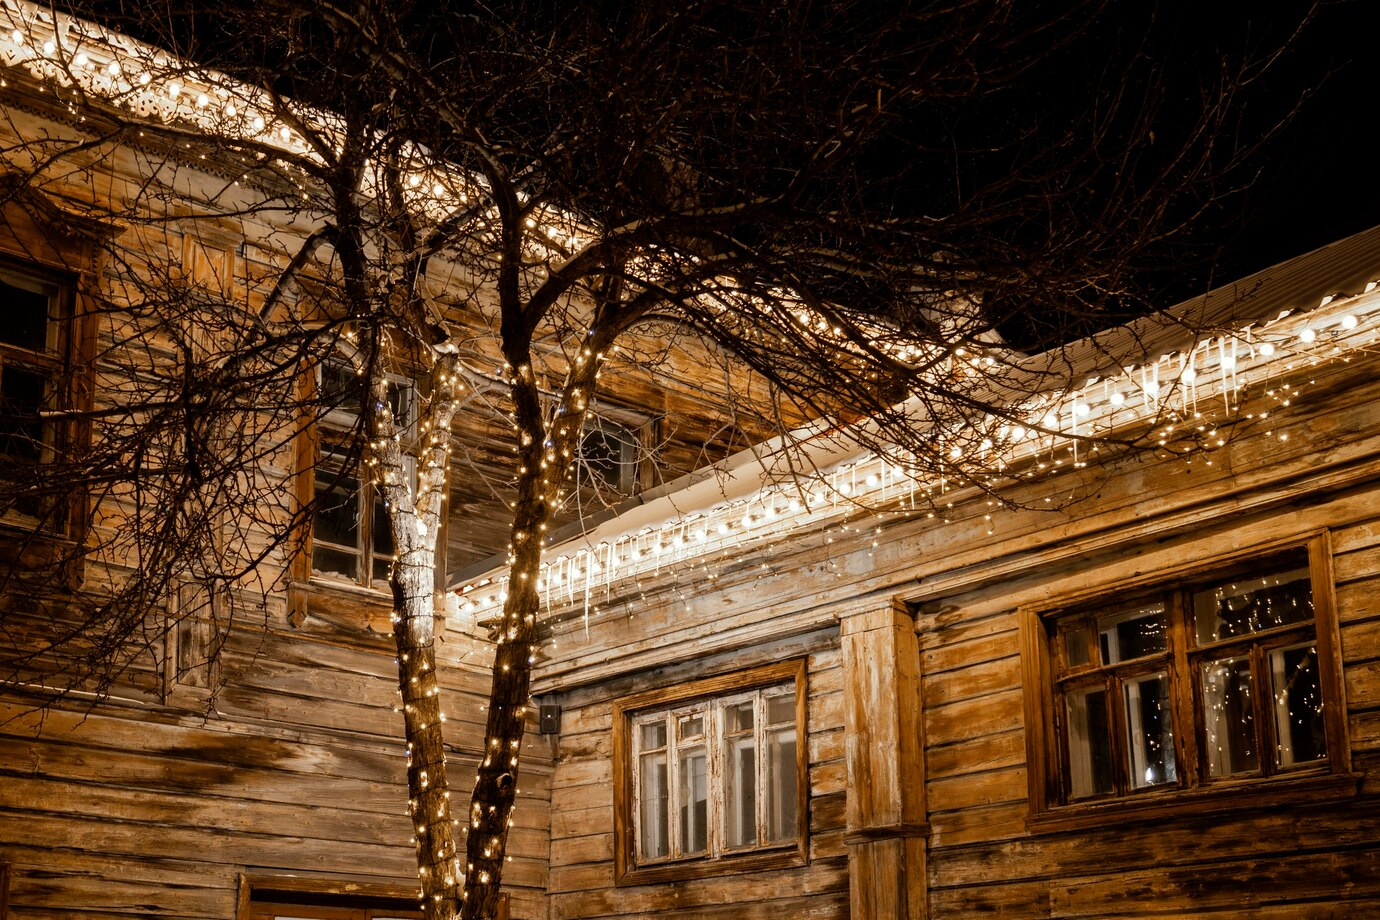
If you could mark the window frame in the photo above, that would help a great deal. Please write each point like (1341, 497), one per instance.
(68, 341)
(708, 695)
(262, 896)
(331, 431)
(590, 471)
(1193, 790)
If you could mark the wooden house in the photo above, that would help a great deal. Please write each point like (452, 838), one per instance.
(1157, 700)
(1136, 685)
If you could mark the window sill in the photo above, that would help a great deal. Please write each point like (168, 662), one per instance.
(341, 603)
(1221, 797)
(706, 868)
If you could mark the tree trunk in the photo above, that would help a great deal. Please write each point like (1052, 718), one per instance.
(496, 784)
(429, 796)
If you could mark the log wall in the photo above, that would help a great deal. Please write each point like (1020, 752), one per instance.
(137, 807)
(1285, 857)
(582, 806)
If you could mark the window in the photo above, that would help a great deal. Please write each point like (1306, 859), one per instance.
(712, 776)
(291, 911)
(350, 534)
(33, 351)
(295, 898)
(1206, 683)
(608, 456)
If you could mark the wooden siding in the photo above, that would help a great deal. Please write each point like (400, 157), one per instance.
(582, 807)
(1311, 855)
(138, 806)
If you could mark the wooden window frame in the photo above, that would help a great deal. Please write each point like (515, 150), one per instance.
(624, 478)
(1193, 792)
(72, 350)
(311, 457)
(709, 690)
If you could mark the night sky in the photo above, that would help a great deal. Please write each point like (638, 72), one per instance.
(1318, 180)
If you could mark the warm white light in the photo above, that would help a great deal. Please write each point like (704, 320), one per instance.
(1349, 322)
(1308, 335)
(1267, 349)
(113, 69)
(1118, 398)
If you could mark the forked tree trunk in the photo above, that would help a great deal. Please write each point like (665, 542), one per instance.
(414, 518)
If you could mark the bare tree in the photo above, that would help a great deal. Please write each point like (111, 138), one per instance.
(856, 202)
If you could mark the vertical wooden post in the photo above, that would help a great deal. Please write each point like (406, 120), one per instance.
(887, 828)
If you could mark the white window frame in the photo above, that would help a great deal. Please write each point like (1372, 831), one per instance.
(711, 699)
(346, 421)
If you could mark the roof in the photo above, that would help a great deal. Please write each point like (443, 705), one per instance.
(1321, 304)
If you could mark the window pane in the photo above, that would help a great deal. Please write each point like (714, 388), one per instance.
(400, 402)
(1131, 634)
(1149, 730)
(1090, 750)
(1246, 605)
(608, 455)
(738, 717)
(690, 726)
(652, 805)
(1229, 714)
(781, 709)
(782, 778)
(1078, 644)
(22, 393)
(740, 791)
(693, 795)
(382, 541)
(337, 509)
(1299, 723)
(653, 735)
(26, 304)
(334, 561)
(341, 387)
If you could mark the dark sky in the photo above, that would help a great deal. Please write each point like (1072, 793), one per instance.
(1319, 179)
